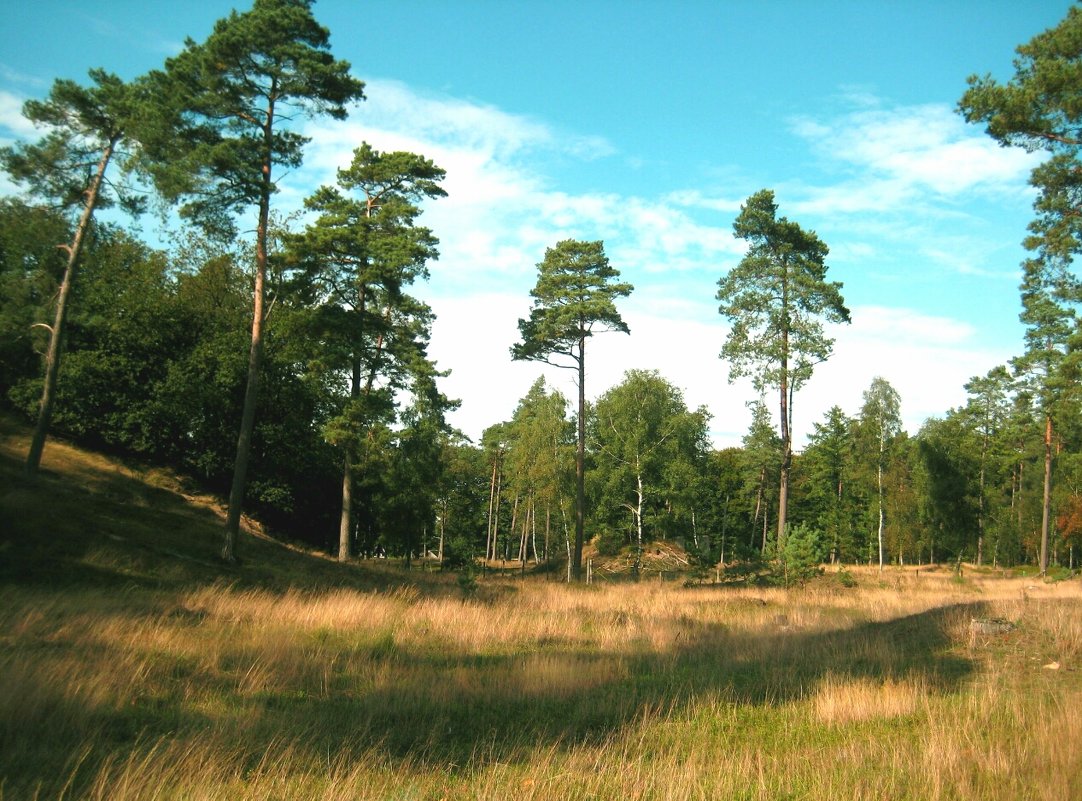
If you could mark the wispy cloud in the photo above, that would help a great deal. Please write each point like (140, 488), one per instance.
(503, 209)
(889, 158)
(13, 125)
(13, 76)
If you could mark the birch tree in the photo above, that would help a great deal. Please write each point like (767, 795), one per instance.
(647, 445)
(880, 414)
(987, 409)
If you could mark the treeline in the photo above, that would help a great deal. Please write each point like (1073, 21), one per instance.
(967, 486)
(156, 365)
(306, 341)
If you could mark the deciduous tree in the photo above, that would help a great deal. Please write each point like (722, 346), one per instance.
(650, 449)
(987, 409)
(538, 461)
(880, 415)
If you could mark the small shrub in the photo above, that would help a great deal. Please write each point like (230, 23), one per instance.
(609, 541)
(800, 556)
(467, 580)
(845, 578)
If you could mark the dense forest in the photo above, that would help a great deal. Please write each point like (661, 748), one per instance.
(289, 370)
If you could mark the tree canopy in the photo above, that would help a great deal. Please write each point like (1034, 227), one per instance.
(328, 417)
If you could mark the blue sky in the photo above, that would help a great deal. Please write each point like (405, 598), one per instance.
(646, 124)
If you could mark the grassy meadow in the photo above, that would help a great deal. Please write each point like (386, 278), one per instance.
(134, 667)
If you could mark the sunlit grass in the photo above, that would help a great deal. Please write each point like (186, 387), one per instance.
(132, 667)
(629, 691)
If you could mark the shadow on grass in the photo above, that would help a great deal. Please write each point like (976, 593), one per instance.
(456, 709)
(505, 707)
(88, 521)
(89, 530)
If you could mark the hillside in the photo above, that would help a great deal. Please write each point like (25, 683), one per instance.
(91, 519)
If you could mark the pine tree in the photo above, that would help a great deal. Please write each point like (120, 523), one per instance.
(574, 298)
(240, 92)
(87, 127)
(777, 299)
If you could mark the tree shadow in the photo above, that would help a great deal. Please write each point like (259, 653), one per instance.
(353, 694)
(454, 708)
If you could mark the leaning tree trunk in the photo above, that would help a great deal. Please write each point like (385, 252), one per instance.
(56, 333)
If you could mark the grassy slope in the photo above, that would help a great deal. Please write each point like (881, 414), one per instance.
(132, 666)
(89, 519)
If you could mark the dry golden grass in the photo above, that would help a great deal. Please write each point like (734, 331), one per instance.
(841, 701)
(127, 674)
(629, 691)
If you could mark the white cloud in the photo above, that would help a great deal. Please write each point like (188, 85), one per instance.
(12, 120)
(503, 211)
(927, 359)
(473, 336)
(906, 154)
(502, 208)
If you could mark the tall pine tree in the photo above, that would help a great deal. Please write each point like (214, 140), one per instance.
(257, 74)
(777, 299)
(575, 297)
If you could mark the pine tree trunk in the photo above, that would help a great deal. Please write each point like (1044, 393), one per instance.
(56, 333)
(786, 459)
(1046, 503)
(785, 417)
(255, 360)
(580, 468)
(345, 524)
